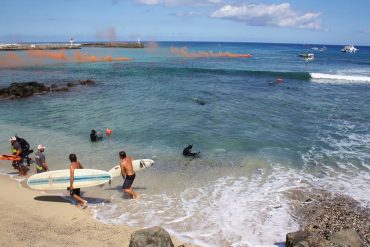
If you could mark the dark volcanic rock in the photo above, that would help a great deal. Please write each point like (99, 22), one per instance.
(338, 219)
(305, 239)
(151, 237)
(62, 89)
(88, 82)
(346, 238)
(27, 89)
(22, 90)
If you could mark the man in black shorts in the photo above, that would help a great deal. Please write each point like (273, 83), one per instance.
(75, 193)
(128, 174)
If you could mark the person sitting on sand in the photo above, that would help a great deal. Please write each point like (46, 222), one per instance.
(128, 174)
(41, 166)
(75, 193)
(17, 151)
(187, 152)
(95, 136)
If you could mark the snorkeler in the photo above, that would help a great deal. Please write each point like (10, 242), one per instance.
(95, 136)
(187, 152)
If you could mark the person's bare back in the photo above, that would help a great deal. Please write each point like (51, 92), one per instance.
(126, 166)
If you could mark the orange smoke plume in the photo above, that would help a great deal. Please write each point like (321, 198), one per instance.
(83, 58)
(183, 52)
(47, 54)
(10, 60)
(38, 56)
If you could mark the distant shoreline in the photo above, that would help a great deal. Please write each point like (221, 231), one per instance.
(64, 46)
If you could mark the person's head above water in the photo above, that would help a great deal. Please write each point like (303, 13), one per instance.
(72, 157)
(122, 154)
(190, 146)
(93, 131)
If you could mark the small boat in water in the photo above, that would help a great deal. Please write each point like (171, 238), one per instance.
(349, 48)
(306, 55)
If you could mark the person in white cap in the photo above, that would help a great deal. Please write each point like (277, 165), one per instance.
(41, 165)
(17, 151)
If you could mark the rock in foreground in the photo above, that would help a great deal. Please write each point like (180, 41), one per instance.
(329, 220)
(151, 237)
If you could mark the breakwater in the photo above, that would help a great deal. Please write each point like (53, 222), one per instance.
(56, 46)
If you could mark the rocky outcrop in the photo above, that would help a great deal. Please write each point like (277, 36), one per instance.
(87, 82)
(328, 220)
(151, 237)
(23, 90)
(27, 89)
(305, 239)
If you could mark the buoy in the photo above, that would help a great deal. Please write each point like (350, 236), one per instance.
(279, 80)
(108, 131)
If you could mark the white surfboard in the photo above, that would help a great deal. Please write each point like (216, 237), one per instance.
(138, 165)
(59, 180)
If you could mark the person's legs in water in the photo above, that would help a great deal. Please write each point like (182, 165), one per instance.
(126, 187)
(132, 193)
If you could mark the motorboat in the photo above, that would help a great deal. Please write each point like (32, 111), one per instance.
(349, 48)
(306, 55)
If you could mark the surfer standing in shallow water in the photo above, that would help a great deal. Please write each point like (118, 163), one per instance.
(128, 174)
(75, 193)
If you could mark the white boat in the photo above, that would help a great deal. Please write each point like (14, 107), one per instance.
(349, 48)
(306, 55)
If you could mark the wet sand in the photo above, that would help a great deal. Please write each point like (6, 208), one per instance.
(33, 218)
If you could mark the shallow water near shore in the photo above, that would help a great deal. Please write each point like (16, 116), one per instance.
(257, 138)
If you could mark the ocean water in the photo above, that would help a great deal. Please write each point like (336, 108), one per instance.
(257, 138)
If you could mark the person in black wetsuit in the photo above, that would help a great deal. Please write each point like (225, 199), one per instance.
(187, 152)
(95, 136)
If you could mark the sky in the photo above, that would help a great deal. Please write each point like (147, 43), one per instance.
(287, 21)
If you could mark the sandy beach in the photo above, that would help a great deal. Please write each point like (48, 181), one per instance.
(32, 218)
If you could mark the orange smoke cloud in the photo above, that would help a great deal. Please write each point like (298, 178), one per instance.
(10, 60)
(47, 54)
(183, 52)
(38, 56)
(83, 58)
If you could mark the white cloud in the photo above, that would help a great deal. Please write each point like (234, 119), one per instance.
(179, 2)
(184, 14)
(280, 15)
(149, 2)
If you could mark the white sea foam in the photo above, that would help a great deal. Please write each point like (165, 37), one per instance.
(336, 78)
(234, 211)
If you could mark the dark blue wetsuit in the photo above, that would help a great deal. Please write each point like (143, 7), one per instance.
(187, 151)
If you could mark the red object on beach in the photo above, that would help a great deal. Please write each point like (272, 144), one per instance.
(279, 80)
(108, 131)
(9, 157)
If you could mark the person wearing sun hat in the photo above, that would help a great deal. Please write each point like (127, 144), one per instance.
(41, 165)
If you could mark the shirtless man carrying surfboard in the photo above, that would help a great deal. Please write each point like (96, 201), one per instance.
(75, 193)
(128, 174)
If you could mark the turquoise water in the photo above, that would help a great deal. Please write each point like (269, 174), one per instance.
(258, 138)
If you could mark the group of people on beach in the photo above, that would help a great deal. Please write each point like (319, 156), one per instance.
(20, 152)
